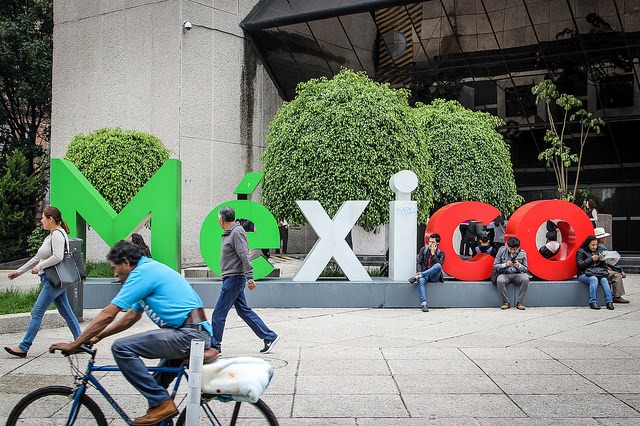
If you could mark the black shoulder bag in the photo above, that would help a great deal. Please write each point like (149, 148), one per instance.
(70, 270)
(597, 271)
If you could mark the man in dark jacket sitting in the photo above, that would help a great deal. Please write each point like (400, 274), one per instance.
(428, 267)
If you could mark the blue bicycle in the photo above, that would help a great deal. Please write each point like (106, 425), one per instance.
(64, 405)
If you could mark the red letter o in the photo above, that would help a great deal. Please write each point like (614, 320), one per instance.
(573, 225)
(445, 222)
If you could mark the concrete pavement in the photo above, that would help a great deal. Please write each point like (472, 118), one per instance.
(572, 366)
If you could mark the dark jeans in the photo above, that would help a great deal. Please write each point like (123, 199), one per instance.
(284, 238)
(232, 294)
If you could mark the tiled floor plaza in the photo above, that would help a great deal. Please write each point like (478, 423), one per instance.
(542, 366)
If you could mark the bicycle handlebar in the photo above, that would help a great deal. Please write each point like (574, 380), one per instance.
(83, 348)
(88, 350)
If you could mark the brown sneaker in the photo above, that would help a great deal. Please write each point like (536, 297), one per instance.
(210, 355)
(505, 306)
(157, 414)
(520, 306)
(620, 300)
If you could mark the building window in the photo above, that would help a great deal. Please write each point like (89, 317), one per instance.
(616, 91)
(519, 102)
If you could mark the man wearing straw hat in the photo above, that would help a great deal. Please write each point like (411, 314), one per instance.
(616, 274)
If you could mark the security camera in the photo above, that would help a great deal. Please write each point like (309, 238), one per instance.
(187, 25)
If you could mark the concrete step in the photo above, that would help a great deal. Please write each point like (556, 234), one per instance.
(630, 264)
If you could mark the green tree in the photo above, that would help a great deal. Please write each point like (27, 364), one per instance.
(342, 139)
(117, 162)
(26, 51)
(558, 154)
(469, 158)
(20, 192)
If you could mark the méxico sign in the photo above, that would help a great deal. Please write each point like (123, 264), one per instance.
(82, 205)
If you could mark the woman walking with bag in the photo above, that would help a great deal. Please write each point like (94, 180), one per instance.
(49, 254)
(592, 270)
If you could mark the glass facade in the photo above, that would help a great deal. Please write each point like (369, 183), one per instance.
(487, 54)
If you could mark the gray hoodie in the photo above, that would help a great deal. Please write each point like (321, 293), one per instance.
(234, 253)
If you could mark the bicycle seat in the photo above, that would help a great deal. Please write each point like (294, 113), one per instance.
(242, 378)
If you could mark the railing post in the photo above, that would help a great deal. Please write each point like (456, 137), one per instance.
(196, 359)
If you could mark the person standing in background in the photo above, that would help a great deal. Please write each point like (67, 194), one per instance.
(499, 225)
(589, 207)
(283, 227)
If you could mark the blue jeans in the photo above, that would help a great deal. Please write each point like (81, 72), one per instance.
(432, 274)
(47, 296)
(232, 294)
(165, 343)
(592, 282)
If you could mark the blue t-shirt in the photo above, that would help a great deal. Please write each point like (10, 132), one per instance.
(165, 296)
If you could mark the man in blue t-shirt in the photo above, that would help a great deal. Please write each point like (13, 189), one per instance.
(170, 302)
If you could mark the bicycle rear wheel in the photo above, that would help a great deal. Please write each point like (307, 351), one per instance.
(216, 412)
(51, 406)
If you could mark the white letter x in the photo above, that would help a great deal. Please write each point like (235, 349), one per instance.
(331, 241)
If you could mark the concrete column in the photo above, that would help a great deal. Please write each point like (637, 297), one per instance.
(403, 224)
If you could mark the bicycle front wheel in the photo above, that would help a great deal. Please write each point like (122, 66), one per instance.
(51, 405)
(216, 412)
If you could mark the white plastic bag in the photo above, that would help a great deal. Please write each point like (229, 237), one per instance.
(611, 257)
(243, 378)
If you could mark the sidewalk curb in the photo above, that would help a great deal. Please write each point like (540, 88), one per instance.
(18, 323)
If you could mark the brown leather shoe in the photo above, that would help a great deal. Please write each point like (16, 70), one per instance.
(620, 300)
(210, 355)
(154, 415)
(520, 306)
(505, 306)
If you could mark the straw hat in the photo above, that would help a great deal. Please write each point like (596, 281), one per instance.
(600, 233)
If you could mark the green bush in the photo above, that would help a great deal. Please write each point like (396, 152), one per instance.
(470, 159)
(342, 139)
(20, 193)
(117, 162)
(332, 270)
(98, 270)
(35, 239)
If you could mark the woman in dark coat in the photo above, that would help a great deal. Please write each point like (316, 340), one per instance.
(588, 257)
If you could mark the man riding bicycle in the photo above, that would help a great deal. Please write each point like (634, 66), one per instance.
(170, 302)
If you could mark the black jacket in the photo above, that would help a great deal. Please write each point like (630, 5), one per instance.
(423, 256)
(584, 261)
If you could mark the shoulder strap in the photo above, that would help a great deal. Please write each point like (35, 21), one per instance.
(66, 240)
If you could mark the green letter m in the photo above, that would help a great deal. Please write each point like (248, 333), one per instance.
(81, 204)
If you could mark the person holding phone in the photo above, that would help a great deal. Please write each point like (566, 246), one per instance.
(588, 257)
(428, 268)
(510, 266)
